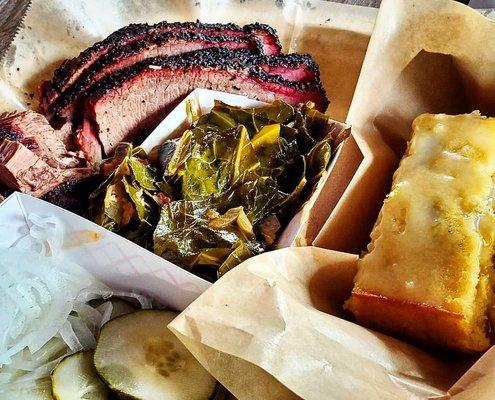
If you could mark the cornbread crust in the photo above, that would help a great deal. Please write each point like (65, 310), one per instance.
(428, 272)
(423, 323)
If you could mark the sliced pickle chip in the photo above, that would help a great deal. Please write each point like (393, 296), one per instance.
(139, 357)
(75, 378)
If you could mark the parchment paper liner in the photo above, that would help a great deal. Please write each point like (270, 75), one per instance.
(337, 36)
(424, 56)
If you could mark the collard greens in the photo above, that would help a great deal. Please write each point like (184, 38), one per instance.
(242, 175)
(221, 192)
(128, 200)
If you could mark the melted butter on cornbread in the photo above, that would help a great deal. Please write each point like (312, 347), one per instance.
(433, 242)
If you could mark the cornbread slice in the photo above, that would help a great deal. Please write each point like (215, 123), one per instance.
(428, 271)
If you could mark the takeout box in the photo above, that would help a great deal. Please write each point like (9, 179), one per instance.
(116, 261)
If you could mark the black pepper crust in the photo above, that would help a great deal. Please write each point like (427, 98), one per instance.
(291, 60)
(136, 31)
(72, 195)
(124, 51)
(270, 33)
(7, 132)
(216, 58)
(15, 135)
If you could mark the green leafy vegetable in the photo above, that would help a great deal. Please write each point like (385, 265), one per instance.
(239, 254)
(221, 192)
(190, 232)
(128, 201)
(245, 173)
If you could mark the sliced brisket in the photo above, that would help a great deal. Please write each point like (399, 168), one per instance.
(34, 157)
(122, 56)
(294, 67)
(34, 132)
(21, 169)
(71, 69)
(73, 194)
(134, 100)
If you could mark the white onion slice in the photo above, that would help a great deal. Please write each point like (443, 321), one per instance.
(69, 337)
(107, 308)
(83, 334)
(44, 315)
(144, 301)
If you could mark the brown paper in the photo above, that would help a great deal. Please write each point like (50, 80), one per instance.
(424, 56)
(336, 35)
(281, 311)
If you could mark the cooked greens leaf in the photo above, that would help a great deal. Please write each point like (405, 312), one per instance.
(224, 189)
(200, 179)
(234, 216)
(141, 173)
(223, 120)
(267, 136)
(117, 210)
(184, 232)
(192, 110)
(214, 256)
(128, 200)
(173, 154)
(317, 161)
(245, 159)
(240, 253)
(137, 196)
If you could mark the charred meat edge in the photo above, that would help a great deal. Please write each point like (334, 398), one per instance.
(289, 62)
(71, 69)
(213, 58)
(122, 52)
(219, 59)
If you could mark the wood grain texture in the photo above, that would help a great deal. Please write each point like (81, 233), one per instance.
(11, 14)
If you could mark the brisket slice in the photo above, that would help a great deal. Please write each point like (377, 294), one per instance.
(293, 67)
(23, 170)
(71, 69)
(131, 102)
(122, 56)
(88, 142)
(34, 132)
(34, 157)
(297, 67)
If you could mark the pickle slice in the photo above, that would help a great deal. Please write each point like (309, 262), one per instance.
(140, 358)
(75, 378)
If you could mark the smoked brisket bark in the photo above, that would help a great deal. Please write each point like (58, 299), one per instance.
(71, 69)
(122, 56)
(73, 194)
(133, 101)
(297, 67)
